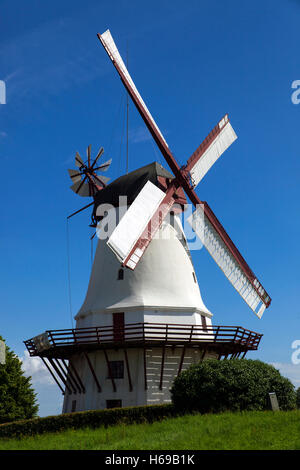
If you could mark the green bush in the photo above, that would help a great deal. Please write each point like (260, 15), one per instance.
(231, 385)
(17, 397)
(90, 419)
(298, 398)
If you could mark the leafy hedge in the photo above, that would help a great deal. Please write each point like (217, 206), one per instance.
(231, 385)
(17, 397)
(91, 419)
(298, 398)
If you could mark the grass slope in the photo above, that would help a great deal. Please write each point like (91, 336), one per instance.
(227, 431)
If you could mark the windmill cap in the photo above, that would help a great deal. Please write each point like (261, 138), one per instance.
(131, 184)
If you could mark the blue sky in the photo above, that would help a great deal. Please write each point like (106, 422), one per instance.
(192, 62)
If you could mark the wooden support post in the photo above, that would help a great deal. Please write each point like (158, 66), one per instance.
(109, 371)
(93, 372)
(68, 378)
(216, 335)
(203, 354)
(236, 333)
(71, 376)
(145, 369)
(128, 371)
(63, 392)
(162, 367)
(181, 360)
(60, 375)
(77, 376)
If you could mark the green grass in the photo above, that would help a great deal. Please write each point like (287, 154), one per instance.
(265, 430)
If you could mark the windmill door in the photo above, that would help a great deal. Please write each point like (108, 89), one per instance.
(118, 326)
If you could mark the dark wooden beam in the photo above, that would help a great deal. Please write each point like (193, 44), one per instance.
(109, 371)
(67, 376)
(145, 369)
(59, 375)
(71, 376)
(203, 354)
(181, 360)
(128, 371)
(49, 369)
(93, 372)
(77, 375)
(162, 367)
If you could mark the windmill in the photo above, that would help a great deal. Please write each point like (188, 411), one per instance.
(143, 319)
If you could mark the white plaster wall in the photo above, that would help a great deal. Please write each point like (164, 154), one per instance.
(163, 280)
(92, 399)
(141, 315)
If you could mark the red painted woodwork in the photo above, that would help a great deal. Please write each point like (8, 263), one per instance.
(118, 326)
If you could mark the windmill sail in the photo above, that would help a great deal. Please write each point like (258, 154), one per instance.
(78, 160)
(113, 53)
(74, 175)
(81, 188)
(99, 154)
(130, 238)
(215, 144)
(99, 179)
(103, 166)
(219, 245)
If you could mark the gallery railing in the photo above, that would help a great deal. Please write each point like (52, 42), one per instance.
(143, 333)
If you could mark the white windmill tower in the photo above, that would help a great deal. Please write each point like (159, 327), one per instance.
(143, 319)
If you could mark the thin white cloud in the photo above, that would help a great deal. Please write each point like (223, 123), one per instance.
(48, 60)
(35, 368)
(49, 397)
(289, 370)
(140, 134)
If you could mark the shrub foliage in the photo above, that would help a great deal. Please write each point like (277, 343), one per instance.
(17, 398)
(88, 419)
(231, 385)
(298, 398)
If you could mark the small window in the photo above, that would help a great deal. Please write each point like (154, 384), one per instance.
(117, 370)
(113, 403)
(204, 324)
(73, 406)
(194, 276)
(120, 274)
